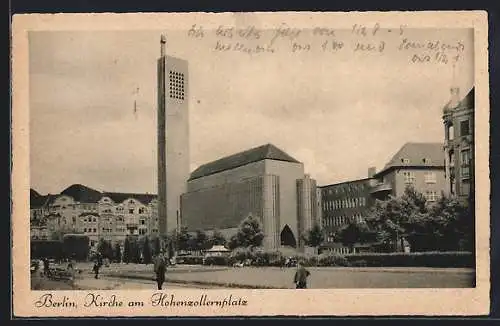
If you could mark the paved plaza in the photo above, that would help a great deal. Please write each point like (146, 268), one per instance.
(275, 277)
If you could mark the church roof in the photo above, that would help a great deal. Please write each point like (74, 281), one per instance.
(268, 151)
(417, 155)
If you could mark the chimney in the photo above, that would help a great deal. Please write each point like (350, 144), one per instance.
(371, 171)
(163, 42)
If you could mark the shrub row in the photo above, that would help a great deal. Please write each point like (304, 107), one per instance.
(416, 259)
(272, 258)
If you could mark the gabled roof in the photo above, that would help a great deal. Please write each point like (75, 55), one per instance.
(119, 197)
(36, 200)
(256, 154)
(417, 155)
(82, 194)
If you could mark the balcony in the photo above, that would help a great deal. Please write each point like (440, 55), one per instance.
(381, 188)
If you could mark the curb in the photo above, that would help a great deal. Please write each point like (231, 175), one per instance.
(169, 280)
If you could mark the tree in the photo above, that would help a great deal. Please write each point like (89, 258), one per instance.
(396, 217)
(217, 239)
(353, 233)
(314, 237)
(201, 240)
(127, 251)
(146, 251)
(156, 246)
(183, 239)
(105, 249)
(117, 253)
(249, 234)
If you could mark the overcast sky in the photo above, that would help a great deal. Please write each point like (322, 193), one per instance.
(338, 113)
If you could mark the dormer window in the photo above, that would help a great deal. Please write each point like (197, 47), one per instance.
(426, 160)
(405, 161)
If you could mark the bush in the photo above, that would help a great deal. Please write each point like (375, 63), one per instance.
(332, 259)
(216, 260)
(306, 260)
(415, 259)
(269, 258)
(190, 260)
(240, 255)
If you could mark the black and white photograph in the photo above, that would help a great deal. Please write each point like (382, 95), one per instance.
(253, 154)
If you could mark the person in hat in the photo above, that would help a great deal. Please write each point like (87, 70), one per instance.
(97, 264)
(301, 276)
(160, 268)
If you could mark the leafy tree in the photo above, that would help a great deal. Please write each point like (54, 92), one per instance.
(217, 239)
(127, 251)
(450, 225)
(355, 232)
(117, 253)
(156, 246)
(105, 249)
(146, 251)
(397, 217)
(201, 240)
(137, 252)
(314, 237)
(249, 234)
(183, 239)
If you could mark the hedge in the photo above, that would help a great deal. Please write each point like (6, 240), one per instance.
(415, 259)
(46, 249)
(189, 260)
(274, 258)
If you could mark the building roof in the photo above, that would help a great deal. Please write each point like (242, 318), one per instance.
(466, 102)
(82, 194)
(268, 151)
(345, 182)
(119, 197)
(417, 155)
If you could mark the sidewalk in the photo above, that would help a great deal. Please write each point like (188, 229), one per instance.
(90, 283)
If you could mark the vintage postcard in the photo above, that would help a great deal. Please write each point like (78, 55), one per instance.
(250, 164)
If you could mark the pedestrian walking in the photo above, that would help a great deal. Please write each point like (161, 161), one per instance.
(46, 267)
(97, 264)
(301, 276)
(160, 268)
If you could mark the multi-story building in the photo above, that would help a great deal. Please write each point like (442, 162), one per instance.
(264, 182)
(458, 120)
(99, 215)
(419, 165)
(342, 204)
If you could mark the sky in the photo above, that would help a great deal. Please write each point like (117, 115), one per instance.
(337, 112)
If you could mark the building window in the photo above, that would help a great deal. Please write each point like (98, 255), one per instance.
(409, 177)
(141, 210)
(430, 177)
(464, 128)
(95, 230)
(131, 211)
(450, 132)
(405, 161)
(465, 163)
(431, 195)
(143, 222)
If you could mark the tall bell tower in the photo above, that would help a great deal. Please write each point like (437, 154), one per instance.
(173, 137)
